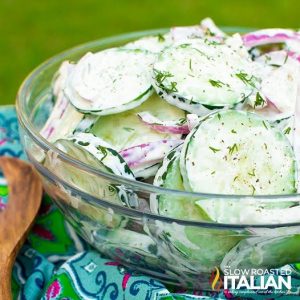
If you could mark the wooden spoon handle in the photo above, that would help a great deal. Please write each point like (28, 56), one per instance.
(5, 279)
(25, 193)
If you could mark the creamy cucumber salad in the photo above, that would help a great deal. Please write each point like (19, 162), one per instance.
(194, 109)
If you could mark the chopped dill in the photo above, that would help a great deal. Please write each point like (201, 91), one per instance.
(265, 125)
(160, 77)
(259, 100)
(190, 64)
(233, 148)
(128, 129)
(252, 173)
(287, 130)
(214, 149)
(216, 83)
(160, 37)
(245, 78)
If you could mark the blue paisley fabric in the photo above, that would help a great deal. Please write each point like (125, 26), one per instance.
(57, 264)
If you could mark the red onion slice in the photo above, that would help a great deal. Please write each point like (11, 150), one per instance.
(149, 153)
(269, 36)
(175, 127)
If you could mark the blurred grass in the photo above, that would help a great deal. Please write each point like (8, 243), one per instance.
(31, 31)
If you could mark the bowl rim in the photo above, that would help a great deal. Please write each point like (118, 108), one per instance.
(27, 125)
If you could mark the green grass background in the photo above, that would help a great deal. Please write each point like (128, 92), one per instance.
(33, 30)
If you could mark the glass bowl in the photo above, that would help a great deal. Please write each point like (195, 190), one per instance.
(176, 251)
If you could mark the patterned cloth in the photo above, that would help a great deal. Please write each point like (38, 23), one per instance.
(57, 264)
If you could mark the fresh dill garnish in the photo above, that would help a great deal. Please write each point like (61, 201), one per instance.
(252, 173)
(202, 53)
(213, 172)
(275, 65)
(219, 116)
(235, 178)
(103, 151)
(211, 43)
(182, 121)
(233, 148)
(287, 130)
(184, 45)
(160, 37)
(216, 83)
(128, 129)
(84, 144)
(190, 64)
(209, 32)
(253, 189)
(233, 131)
(259, 100)
(214, 149)
(160, 77)
(245, 78)
(286, 57)
(265, 125)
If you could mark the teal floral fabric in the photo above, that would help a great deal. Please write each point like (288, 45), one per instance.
(56, 264)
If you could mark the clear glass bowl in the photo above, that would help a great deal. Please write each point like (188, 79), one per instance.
(182, 252)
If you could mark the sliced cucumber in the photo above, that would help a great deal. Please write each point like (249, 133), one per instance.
(86, 124)
(112, 161)
(127, 130)
(132, 240)
(235, 152)
(146, 172)
(281, 86)
(257, 212)
(88, 183)
(95, 152)
(205, 247)
(199, 77)
(169, 176)
(287, 126)
(211, 29)
(110, 81)
(153, 44)
(184, 33)
(264, 252)
(64, 117)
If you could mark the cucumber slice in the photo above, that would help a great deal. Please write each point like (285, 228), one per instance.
(86, 124)
(264, 252)
(64, 117)
(235, 152)
(88, 183)
(95, 152)
(199, 77)
(281, 85)
(112, 161)
(110, 81)
(127, 130)
(206, 247)
(287, 127)
(169, 176)
(153, 44)
(257, 212)
(146, 172)
(132, 240)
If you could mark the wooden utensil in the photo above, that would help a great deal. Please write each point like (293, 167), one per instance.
(25, 194)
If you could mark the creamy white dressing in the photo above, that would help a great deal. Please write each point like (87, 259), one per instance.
(109, 79)
(213, 75)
